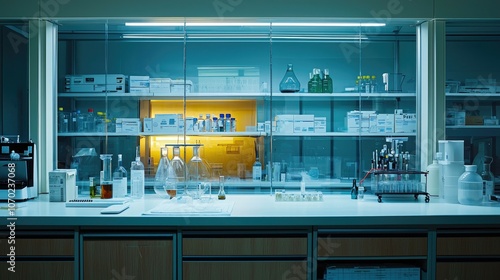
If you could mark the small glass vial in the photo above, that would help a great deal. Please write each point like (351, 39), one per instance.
(92, 188)
(222, 194)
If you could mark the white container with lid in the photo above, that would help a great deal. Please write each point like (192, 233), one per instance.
(470, 186)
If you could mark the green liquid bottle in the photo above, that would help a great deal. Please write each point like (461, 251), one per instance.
(316, 82)
(327, 82)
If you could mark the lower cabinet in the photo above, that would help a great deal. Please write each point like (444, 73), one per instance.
(468, 255)
(37, 255)
(127, 256)
(245, 255)
(348, 252)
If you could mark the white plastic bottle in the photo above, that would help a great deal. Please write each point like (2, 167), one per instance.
(470, 186)
(120, 180)
(137, 177)
(433, 178)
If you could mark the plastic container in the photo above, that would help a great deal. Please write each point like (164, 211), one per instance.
(433, 178)
(453, 150)
(470, 186)
(450, 172)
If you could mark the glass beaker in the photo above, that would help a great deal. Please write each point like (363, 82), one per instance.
(107, 180)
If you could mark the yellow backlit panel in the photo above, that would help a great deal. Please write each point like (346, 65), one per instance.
(244, 111)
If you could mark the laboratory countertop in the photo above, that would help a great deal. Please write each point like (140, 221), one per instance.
(336, 210)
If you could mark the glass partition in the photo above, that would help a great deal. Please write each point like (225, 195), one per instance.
(268, 104)
(472, 92)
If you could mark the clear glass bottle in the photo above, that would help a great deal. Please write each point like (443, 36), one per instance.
(137, 176)
(227, 123)
(327, 82)
(470, 186)
(197, 172)
(215, 124)
(233, 124)
(63, 121)
(257, 170)
(100, 121)
(162, 173)
(208, 123)
(289, 83)
(80, 121)
(488, 179)
(107, 180)
(201, 124)
(73, 121)
(120, 179)
(374, 85)
(89, 123)
(220, 123)
(222, 193)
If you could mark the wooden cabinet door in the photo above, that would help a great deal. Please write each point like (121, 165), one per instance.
(127, 258)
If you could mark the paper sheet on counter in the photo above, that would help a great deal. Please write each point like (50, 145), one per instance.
(214, 208)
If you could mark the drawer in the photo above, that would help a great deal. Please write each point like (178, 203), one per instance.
(245, 270)
(38, 270)
(147, 258)
(40, 246)
(247, 246)
(468, 246)
(467, 270)
(371, 246)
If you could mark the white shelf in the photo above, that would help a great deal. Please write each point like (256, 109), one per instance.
(340, 134)
(207, 134)
(473, 127)
(478, 95)
(241, 96)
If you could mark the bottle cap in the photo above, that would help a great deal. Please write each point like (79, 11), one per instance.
(471, 168)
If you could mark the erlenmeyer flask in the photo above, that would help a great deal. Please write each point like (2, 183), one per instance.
(289, 83)
(162, 173)
(197, 172)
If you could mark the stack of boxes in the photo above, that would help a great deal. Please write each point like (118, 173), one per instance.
(297, 124)
(371, 122)
(139, 85)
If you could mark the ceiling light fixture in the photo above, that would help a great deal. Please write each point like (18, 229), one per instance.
(257, 24)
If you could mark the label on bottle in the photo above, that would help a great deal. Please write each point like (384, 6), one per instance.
(119, 187)
(137, 183)
(257, 173)
(488, 188)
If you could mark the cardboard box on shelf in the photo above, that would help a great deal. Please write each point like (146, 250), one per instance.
(128, 125)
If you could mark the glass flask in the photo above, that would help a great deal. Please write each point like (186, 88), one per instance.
(107, 180)
(289, 83)
(197, 172)
(176, 173)
(162, 173)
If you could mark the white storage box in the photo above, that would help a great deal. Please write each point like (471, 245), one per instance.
(168, 123)
(160, 86)
(128, 125)
(284, 123)
(178, 86)
(320, 124)
(139, 81)
(62, 185)
(303, 123)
